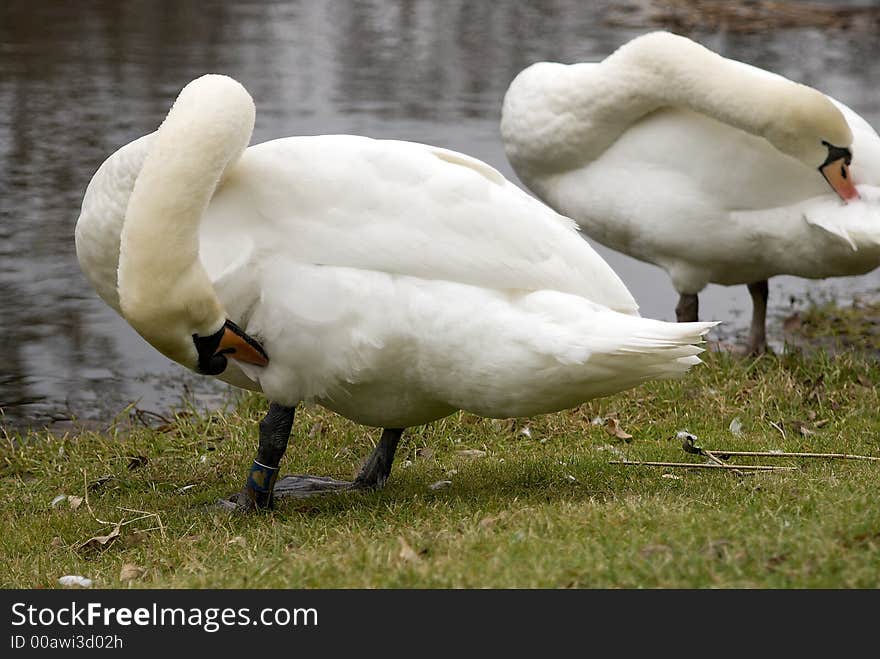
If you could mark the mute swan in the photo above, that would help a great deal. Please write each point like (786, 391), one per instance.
(712, 169)
(391, 282)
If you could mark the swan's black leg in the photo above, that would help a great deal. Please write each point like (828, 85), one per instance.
(274, 435)
(687, 309)
(377, 468)
(758, 332)
(261, 487)
(372, 475)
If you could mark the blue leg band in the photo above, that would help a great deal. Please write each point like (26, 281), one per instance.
(261, 478)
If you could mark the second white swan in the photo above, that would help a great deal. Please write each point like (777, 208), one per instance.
(712, 169)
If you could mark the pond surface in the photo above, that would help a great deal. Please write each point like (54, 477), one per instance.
(78, 80)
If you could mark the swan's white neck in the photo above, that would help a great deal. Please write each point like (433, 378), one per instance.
(164, 292)
(556, 117)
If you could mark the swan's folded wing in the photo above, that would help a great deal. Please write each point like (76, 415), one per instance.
(857, 223)
(409, 209)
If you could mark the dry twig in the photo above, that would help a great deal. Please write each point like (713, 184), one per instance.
(783, 454)
(702, 465)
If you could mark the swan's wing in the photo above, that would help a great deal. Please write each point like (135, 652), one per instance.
(102, 214)
(855, 223)
(402, 208)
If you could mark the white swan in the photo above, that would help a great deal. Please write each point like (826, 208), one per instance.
(391, 282)
(714, 170)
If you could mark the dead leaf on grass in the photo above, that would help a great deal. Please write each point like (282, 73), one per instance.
(74, 502)
(130, 572)
(612, 427)
(471, 453)
(102, 542)
(56, 542)
(865, 382)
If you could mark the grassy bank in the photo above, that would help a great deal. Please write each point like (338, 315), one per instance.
(529, 503)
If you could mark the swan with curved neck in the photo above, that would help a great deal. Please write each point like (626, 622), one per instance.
(164, 292)
(665, 146)
(391, 282)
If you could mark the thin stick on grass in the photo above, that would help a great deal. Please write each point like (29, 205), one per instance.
(782, 454)
(689, 445)
(146, 513)
(719, 461)
(698, 465)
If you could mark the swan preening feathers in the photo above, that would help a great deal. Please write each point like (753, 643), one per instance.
(712, 169)
(392, 282)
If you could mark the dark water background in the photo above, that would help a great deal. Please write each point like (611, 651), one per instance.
(80, 79)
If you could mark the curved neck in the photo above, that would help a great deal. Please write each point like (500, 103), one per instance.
(161, 280)
(664, 70)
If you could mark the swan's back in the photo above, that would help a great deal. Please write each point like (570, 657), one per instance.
(409, 209)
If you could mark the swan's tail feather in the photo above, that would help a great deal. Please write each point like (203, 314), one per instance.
(651, 348)
(584, 351)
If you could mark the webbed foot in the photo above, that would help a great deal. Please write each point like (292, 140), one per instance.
(303, 485)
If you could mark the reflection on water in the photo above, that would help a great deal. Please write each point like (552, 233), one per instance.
(78, 80)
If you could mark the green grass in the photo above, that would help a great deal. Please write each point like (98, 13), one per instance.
(855, 326)
(541, 511)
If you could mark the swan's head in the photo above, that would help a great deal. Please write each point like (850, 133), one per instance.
(798, 120)
(813, 130)
(182, 318)
(164, 291)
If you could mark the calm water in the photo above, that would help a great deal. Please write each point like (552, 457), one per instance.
(79, 79)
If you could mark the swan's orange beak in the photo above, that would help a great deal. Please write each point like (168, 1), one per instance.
(838, 176)
(240, 346)
(229, 341)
